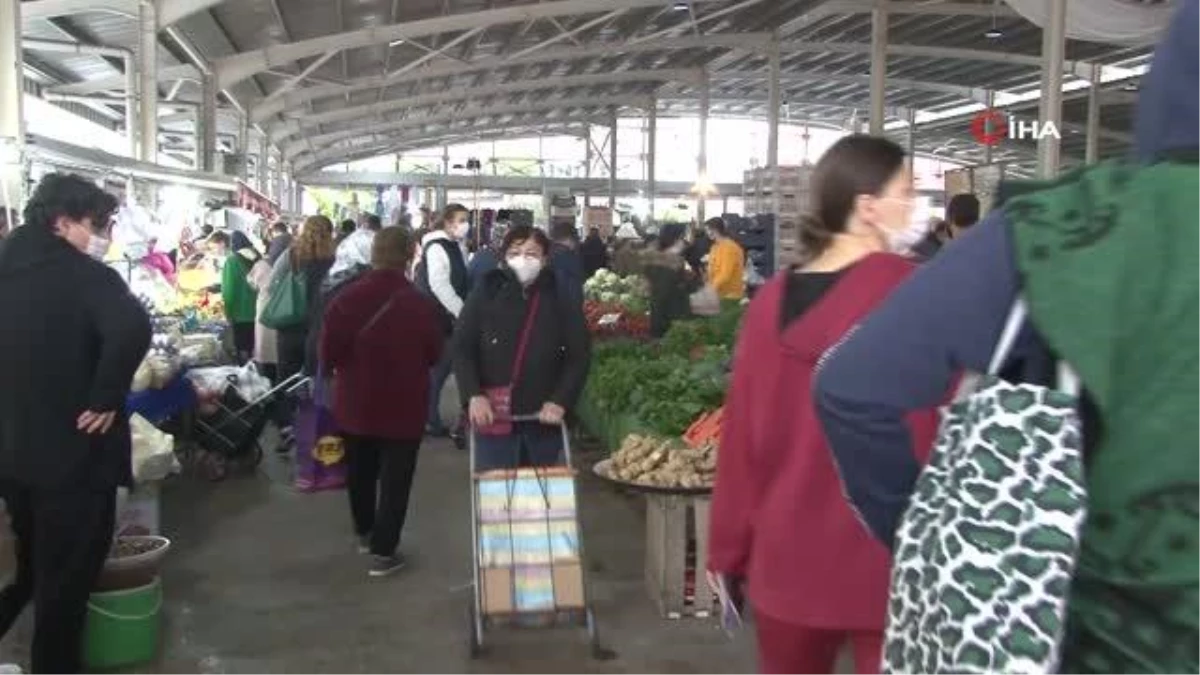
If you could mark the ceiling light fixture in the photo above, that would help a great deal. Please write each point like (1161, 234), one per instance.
(993, 33)
(395, 43)
(680, 7)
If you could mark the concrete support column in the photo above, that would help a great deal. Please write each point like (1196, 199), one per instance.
(652, 155)
(1092, 149)
(702, 158)
(147, 72)
(774, 101)
(206, 138)
(12, 123)
(277, 181)
(263, 148)
(912, 141)
(243, 149)
(131, 106)
(1054, 42)
(443, 191)
(612, 160)
(987, 149)
(879, 39)
(587, 164)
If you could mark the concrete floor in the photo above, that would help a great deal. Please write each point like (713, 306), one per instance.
(263, 579)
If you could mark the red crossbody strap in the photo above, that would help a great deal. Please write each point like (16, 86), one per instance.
(528, 328)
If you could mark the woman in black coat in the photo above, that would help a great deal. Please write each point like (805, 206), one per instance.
(521, 303)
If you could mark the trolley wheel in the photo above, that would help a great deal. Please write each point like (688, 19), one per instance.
(474, 638)
(599, 651)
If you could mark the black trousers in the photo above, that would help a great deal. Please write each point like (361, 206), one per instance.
(63, 537)
(243, 341)
(379, 483)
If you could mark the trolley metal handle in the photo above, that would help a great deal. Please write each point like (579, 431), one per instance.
(531, 418)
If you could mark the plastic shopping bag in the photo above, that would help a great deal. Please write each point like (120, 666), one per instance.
(320, 453)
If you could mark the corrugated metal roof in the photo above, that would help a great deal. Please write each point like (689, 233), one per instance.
(532, 71)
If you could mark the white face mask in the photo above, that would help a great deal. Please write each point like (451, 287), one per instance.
(98, 246)
(911, 233)
(527, 268)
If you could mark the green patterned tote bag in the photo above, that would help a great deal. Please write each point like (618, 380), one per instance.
(987, 547)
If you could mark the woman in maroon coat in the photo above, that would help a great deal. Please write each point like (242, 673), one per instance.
(381, 336)
(815, 577)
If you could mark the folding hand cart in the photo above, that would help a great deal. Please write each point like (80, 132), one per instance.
(528, 564)
(232, 432)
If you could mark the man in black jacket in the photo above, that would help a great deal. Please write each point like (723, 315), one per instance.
(73, 336)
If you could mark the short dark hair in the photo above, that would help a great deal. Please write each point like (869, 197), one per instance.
(669, 235)
(523, 233)
(563, 231)
(963, 210)
(220, 238)
(374, 223)
(449, 213)
(392, 248)
(279, 227)
(347, 226)
(72, 196)
(716, 225)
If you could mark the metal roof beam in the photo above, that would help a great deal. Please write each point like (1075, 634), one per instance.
(183, 71)
(291, 84)
(293, 149)
(238, 67)
(168, 12)
(569, 34)
(469, 135)
(750, 41)
(299, 121)
(299, 97)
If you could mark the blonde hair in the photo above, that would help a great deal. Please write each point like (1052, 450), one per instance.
(315, 241)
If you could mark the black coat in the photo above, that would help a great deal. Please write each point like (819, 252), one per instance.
(594, 253)
(557, 356)
(73, 337)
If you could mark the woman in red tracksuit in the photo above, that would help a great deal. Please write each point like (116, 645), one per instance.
(815, 577)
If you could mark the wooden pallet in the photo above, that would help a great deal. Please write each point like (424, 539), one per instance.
(676, 555)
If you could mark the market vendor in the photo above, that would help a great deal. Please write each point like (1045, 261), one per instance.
(239, 297)
(671, 280)
(726, 262)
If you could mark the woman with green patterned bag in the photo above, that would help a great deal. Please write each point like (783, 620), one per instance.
(1106, 261)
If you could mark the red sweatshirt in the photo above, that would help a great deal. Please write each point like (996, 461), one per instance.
(779, 516)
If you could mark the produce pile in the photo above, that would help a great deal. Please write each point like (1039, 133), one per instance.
(612, 320)
(666, 463)
(666, 385)
(608, 287)
(616, 306)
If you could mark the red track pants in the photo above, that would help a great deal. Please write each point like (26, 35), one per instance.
(790, 648)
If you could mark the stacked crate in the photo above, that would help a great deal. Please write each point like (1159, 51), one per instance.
(758, 195)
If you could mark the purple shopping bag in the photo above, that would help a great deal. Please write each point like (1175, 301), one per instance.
(320, 452)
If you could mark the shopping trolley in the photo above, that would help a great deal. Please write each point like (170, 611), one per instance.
(528, 564)
(232, 430)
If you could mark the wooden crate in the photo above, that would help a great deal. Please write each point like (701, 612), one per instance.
(676, 549)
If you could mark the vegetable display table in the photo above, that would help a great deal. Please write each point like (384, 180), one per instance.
(676, 546)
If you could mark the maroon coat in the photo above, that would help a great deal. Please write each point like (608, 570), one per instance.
(382, 369)
(779, 517)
